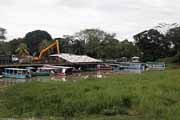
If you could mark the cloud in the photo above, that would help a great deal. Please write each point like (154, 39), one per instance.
(58, 17)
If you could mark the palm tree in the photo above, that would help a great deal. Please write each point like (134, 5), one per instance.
(22, 50)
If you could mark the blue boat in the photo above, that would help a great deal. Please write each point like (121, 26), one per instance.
(128, 67)
(156, 65)
(16, 73)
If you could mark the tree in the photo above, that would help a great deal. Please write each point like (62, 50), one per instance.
(94, 41)
(78, 47)
(109, 48)
(65, 44)
(173, 36)
(44, 44)
(152, 44)
(5, 48)
(22, 50)
(14, 43)
(128, 49)
(34, 38)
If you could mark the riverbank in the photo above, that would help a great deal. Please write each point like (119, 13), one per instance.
(150, 95)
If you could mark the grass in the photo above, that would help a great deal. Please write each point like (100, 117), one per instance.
(147, 96)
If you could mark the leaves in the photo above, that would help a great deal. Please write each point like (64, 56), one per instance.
(22, 50)
(34, 39)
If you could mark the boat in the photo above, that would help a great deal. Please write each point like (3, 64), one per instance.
(17, 73)
(128, 67)
(104, 67)
(43, 71)
(60, 70)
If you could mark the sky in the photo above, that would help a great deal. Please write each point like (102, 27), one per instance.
(65, 17)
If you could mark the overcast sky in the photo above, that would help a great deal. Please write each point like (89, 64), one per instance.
(65, 17)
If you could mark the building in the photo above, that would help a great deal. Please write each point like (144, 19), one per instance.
(78, 61)
(2, 34)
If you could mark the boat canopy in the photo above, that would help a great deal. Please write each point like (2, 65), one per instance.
(16, 69)
(46, 68)
(57, 67)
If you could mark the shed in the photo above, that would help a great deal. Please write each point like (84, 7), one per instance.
(80, 62)
(76, 58)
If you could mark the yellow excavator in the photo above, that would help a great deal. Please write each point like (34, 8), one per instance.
(53, 45)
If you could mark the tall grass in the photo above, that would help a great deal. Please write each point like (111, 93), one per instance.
(151, 95)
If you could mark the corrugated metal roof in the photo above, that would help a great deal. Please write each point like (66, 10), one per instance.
(76, 58)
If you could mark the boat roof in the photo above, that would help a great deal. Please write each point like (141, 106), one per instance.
(46, 68)
(53, 66)
(16, 69)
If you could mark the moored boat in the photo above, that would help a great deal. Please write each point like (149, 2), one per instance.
(43, 71)
(16, 73)
(60, 70)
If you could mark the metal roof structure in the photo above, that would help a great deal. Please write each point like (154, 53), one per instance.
(76, 58)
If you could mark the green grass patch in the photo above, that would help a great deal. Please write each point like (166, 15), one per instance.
(151, 95)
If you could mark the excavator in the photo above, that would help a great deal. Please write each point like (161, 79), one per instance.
(53, 45)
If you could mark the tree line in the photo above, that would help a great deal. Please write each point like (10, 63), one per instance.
(149, 45)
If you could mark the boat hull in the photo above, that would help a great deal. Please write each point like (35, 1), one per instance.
(40, 74)
(15, 76)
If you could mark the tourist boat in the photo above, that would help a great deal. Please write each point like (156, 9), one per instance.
(43, 71)
(16, 73)
(60, 70)
(128, 67)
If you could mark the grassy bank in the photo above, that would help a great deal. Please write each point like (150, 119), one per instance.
(151, 95)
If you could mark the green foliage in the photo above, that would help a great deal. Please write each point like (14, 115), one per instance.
(174, 36)
(14, 43)
(173, 59)
(22, 50)
(65, 44)
(98, 44)
(151, 95)
(34, 39)
(152, 44)
(43, 45)
(128, 49)
(5, 48)
(149, 45)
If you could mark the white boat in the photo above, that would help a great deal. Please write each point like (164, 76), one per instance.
(60, 70)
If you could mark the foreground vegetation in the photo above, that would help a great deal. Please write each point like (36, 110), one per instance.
(151, 95)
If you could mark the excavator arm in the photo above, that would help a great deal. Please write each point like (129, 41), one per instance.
(43, 51)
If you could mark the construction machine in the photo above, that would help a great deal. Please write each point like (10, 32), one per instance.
(43, 51)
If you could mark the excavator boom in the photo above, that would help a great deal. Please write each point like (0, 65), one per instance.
(54, 44)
